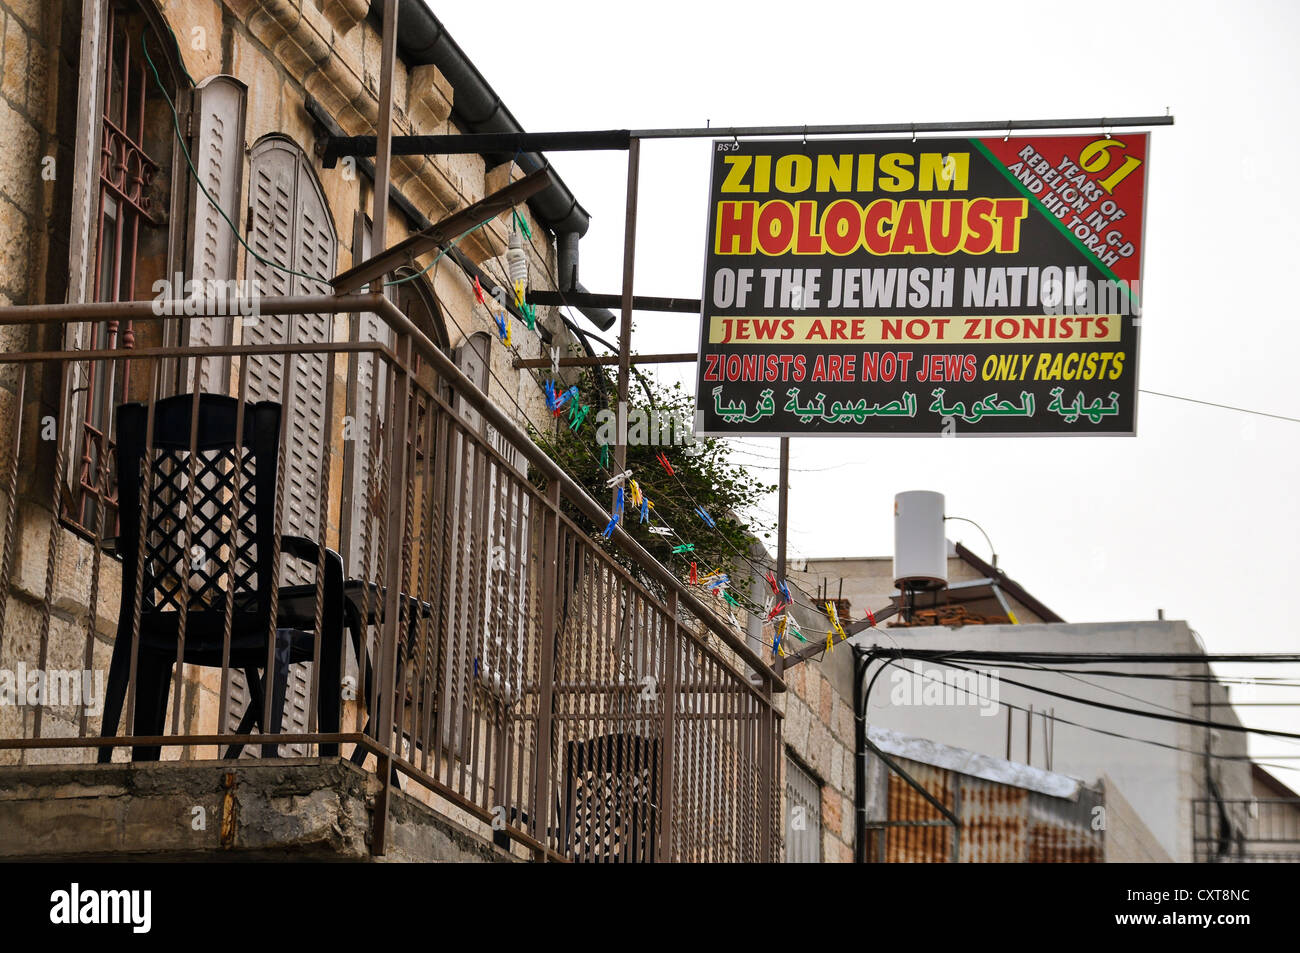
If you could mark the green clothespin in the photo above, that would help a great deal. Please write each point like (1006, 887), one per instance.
(530, 314)
(684, 548)
(604, 455)
(726, 595)
(577, 414)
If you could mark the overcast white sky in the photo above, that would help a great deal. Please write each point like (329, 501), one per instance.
(1196, 515)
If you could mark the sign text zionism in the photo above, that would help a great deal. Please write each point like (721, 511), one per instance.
(854, 275)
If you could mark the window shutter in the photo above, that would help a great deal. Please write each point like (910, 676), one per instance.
(296, 695)
(291, 225)
(494, 655)
(367, 400)
(218, 151)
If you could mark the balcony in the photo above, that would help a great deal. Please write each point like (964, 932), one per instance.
(418, 590)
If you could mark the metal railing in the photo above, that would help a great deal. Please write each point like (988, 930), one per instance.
(507, 666)
(1246, 831)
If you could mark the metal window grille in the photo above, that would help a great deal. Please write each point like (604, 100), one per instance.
(803, 822)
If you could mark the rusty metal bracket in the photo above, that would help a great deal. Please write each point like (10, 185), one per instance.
(454, 225)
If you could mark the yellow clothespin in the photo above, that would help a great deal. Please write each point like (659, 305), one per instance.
(835, 625)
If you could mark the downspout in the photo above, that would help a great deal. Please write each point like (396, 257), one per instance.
(423, 40)
(861, 661)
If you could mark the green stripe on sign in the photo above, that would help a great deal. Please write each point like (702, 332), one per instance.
(1073, 239)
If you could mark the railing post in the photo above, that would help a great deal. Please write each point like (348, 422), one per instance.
(667, 737)
(542, 767)
(766, 774)
(394, 582)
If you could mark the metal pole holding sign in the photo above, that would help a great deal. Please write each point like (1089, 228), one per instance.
(625, 322)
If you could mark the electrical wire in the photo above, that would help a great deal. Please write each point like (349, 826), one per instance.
(1158, 716)
(1103, 731)
(1210, 403)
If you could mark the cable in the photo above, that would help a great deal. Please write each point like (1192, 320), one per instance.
(1210, 403)
(1104, 731)
(180, 140)
(1176, 719)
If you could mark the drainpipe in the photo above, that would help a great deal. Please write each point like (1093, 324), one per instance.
(861, 662)
(423, 40)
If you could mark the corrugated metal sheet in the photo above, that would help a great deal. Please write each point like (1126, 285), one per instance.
(1000, 823)
(993, 822)
(920, 844)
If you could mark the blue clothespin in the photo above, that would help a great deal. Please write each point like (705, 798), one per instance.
(618, 503)
(645, 510)
(549, 387)
(708, 520)
(501, 325)
(609, 528)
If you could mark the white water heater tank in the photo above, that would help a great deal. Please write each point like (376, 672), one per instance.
(920, 547)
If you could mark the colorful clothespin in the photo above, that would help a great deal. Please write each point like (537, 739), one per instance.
(684, 548)
(549, 389)
(520, 289)
(694, 577)
(609, 528)
(708, 520)
(564, 398)
(529, 314)
(578, 414)
(792, 628)
(634, 492)
(663, 462)
(645, 510)
(871, 618)
(503, 326)
(836, 628)
(730, 599)
(777, 607)
(478, 292)
(618, 504)
(604, 455)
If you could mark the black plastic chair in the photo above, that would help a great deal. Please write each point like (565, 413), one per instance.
(237, 536)
(611, 796)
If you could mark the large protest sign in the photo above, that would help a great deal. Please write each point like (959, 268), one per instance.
(930, 287)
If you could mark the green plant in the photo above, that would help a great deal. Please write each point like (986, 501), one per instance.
(703, 475)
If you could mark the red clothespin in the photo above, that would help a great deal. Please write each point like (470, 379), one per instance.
(694, 577)
(478, 292)
(663, 462)
(871, 618)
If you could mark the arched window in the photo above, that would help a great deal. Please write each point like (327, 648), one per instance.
(291, 230)
(130, 180)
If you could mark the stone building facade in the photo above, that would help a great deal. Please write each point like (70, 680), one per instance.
(281, 75)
